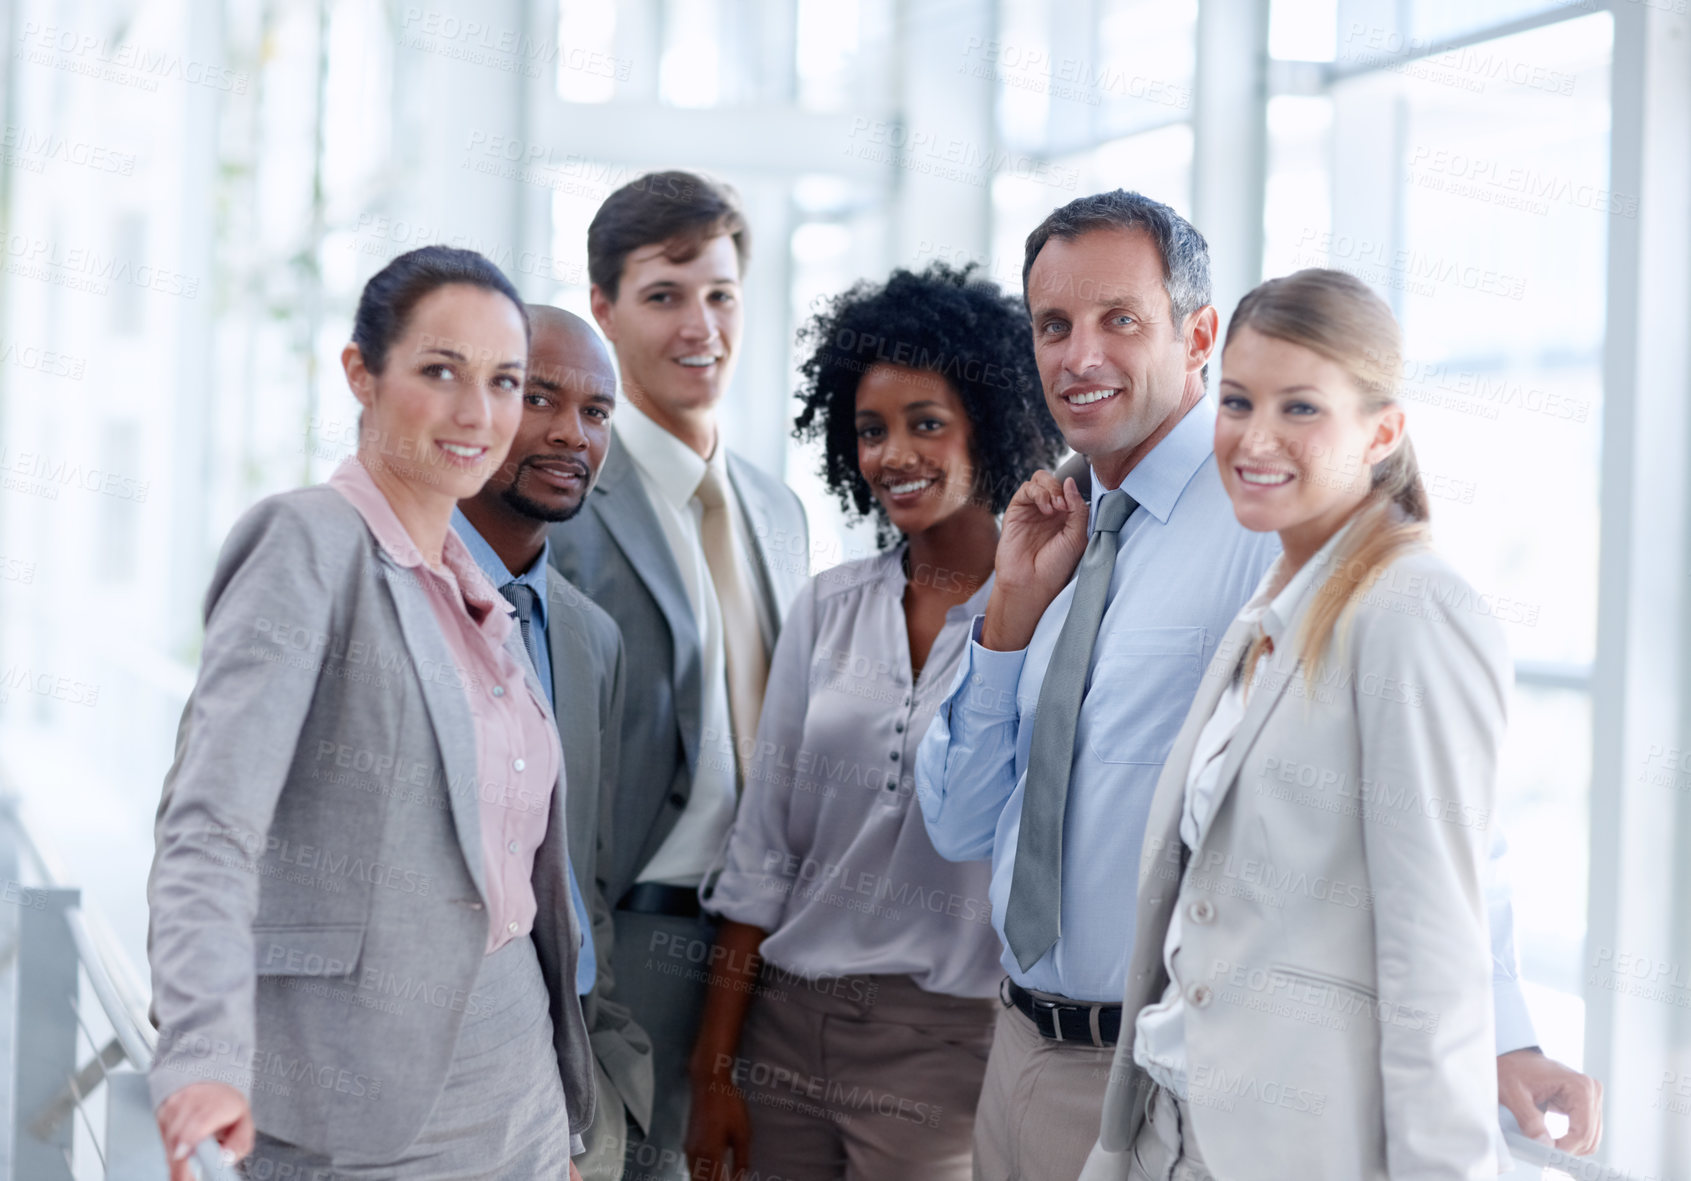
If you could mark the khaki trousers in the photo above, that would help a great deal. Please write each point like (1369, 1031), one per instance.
(1040, 1106)
(865, 1078)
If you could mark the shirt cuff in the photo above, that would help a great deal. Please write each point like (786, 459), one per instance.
(1514, 1022)
(576, 1146)
(989, 680)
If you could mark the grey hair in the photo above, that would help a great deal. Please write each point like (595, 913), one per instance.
(1186, 256)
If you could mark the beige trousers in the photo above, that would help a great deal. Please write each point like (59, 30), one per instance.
(865, 1078)
(1040, 1105)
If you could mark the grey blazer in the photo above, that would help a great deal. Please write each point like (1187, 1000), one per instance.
(1334, 950)
(587, 694)
(616, 552)
(316, 898)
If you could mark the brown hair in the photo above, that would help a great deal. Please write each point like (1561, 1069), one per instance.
(1335, 315)
(678, 209)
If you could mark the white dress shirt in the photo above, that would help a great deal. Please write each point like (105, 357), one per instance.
(670, 471)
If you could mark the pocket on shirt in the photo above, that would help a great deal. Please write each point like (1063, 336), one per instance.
(1148, 676)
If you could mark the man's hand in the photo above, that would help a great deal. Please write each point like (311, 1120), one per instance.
(719, 1130)
(1044, 537)
(199, 1110)
(1529, 1084)
(575, 1173)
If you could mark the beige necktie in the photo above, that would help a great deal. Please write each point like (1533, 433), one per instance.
(748, 662)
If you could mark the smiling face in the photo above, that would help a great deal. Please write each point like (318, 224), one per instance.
(441, 414)
(676, 328)
(913, 446)
(565, 426)
(1295, 439)
(1113, 362)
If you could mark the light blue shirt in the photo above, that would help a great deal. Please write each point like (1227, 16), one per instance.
(1184, 569)
(586, 967)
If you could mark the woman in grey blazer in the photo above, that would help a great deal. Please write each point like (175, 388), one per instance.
(362, 948)
(1310, 977)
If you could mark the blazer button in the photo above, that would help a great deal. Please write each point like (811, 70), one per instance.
(1201, 911)
(679, 800)
(1199, 996)
(473, 905)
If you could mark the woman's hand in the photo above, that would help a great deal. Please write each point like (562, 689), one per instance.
(1044, 537)
(199, 1110)
(719, 1129)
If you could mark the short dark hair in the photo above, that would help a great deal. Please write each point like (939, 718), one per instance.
(1185, 254)
(945, 320)
(393, 293)
(679, 209)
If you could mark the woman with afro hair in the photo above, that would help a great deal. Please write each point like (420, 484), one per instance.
(851, 1004)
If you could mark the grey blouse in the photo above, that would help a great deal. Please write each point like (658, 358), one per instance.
(829, 852)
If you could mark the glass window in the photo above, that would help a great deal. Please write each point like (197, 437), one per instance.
(588, 68)
(690, 67)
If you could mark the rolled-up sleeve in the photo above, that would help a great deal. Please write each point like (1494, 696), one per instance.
(268, 625)
(966, 767)
(759, 871)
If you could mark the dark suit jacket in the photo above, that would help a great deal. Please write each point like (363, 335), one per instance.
(587, 694)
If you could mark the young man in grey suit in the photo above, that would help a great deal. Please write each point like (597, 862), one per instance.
(568, 398)
(696, 554)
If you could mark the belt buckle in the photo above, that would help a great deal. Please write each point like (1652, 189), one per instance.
(1050, 1008)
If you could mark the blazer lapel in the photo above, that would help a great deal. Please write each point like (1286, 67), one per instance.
(1260, 704)
(443, 695)
(761, 531)
(575, 693)
(620, 501)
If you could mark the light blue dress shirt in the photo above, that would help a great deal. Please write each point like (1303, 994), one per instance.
(586, 967)
(1184, 569)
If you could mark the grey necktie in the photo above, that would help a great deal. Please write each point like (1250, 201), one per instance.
(522, 597)
(1033, 916)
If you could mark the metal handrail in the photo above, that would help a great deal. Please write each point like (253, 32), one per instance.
(111, 977)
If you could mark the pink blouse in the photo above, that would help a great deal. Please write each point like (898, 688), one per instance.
(518, 759)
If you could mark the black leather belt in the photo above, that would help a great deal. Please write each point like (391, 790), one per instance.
(1065, 1021)
(681, 902)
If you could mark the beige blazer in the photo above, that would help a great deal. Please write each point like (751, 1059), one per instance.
(1334, 950)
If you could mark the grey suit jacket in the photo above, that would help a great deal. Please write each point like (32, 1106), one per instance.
(615, 551)
(587, 694)
(1334, 946)
(317, 908)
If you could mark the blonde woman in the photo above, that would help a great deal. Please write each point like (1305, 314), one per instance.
(1309, 991)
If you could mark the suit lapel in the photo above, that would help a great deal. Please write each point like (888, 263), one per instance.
(760, 532)
(621, 504)
(1263, 698)
(575, 701)
(443, 695)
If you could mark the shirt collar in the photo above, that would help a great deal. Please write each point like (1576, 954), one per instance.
(1157, 480)
(494, 567)
(674, 468)
(889, 570)
(1275, 615)
(484, 603)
